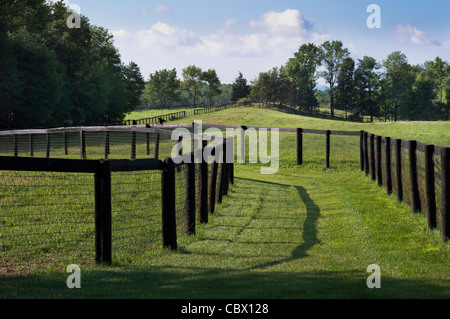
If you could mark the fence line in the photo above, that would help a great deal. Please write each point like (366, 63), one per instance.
(159, 119)
(419, 175)
(113, 224)
(415, 181)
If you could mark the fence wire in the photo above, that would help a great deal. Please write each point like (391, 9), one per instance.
(46, 220)
(135, 212)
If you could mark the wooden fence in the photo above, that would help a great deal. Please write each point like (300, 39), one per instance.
(391, 161)
(418, 173)
(186, 189)
(180, 114)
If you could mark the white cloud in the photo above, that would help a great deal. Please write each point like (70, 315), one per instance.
(158, 9)
(274, 37)
(161, 9)
(287, 22)
(410, 34)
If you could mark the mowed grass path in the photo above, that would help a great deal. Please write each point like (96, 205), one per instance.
(291, 235)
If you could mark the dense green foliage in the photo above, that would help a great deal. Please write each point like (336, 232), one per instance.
(197, 88)
(391, 89)
(57, 69)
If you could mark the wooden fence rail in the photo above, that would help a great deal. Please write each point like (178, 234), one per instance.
(374, 151)
(371, 164)
(102, 169)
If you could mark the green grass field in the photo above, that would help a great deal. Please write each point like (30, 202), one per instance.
(304, 232)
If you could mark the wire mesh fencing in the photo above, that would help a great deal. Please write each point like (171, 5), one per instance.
(46, 218)
(56, 212)
(418, 174)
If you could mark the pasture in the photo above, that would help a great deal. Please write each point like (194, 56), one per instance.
(305, 232)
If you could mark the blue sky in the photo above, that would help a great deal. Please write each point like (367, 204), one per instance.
(253, 36)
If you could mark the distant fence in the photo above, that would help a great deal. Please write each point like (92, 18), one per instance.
(180, 114)
(315, 112)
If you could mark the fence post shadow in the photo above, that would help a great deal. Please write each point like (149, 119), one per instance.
(309, 234)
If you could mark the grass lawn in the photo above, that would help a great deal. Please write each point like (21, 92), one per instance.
(304, 232)
(295, 235)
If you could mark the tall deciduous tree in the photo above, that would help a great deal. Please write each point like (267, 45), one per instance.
(398, 82)
(135, 84)
(345, 90)
(301, 69)
(367, 83)
(212, 84)
(192, 82)
(162, 88)
(332, 56)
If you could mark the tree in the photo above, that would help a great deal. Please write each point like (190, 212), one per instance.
(135, 85)
(240, 88)
(398, 82)
(301, 70)
(332, 55)
(345, 90)
(192, 82)
(367, 84)
(162, 88)
(261, 88)
(423, 93)
(212, 84)
(37, 91)
(76, 74)
(437, 71)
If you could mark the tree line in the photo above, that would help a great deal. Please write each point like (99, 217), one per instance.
(52, 74)
(391, 89)
(164, 88)
(55, 75)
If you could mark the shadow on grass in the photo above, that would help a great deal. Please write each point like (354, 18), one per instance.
(201, 283)
(309, 234)
(189, 282)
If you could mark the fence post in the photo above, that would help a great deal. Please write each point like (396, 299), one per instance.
(203, 187)
(82, 145)
(213, 184)
(66, 151)
(230, 155)
(398, 169)
(388, 168)
(180, 145)
(157, 145)
(328, 149)
(190, 195)
(147, 140)
(372, 157)
(48, 146)
(133, 145)
(106, 144)
(103, 233)
(366, 154)
(430, 188)
(445, 186)
(16, 145)
(379, 172)
(361, 150)
(169, 227)
(226, 169)
(31, 145)
(415, 199)
(299, 146)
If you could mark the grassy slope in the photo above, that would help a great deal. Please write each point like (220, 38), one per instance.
(426, 132)
(302, 233)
